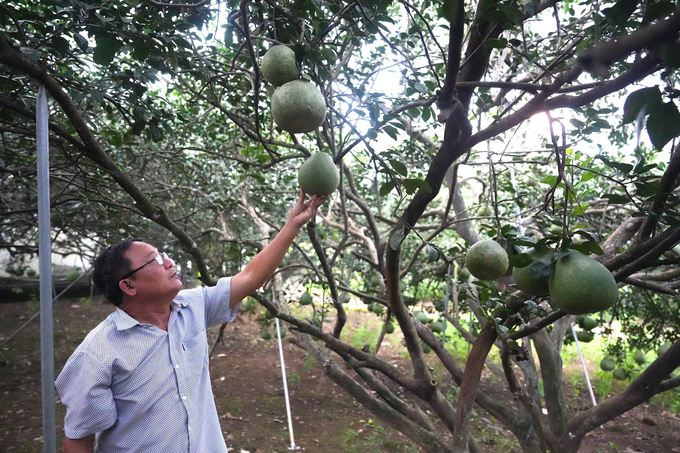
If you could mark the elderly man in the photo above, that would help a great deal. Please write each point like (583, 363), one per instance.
(139, 382)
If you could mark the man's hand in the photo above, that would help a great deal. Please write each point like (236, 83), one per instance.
(304, 210)
(263, 265)
(84, 445)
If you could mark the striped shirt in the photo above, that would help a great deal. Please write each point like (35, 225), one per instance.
(142, 389)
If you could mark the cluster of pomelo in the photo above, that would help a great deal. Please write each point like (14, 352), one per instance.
(297, 106)
(576, 283)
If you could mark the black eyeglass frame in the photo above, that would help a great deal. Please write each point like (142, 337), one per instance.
(159, 259)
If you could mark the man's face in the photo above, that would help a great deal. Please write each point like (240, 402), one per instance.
(153, 279)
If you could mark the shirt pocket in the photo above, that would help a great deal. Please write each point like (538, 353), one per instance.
(196, 354)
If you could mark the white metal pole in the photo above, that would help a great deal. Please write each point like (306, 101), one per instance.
(285, 389)
(583, 364)
(45, 267)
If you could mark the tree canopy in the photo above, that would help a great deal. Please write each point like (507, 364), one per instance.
(533, 123)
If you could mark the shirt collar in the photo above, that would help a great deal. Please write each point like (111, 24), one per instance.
(124, 321)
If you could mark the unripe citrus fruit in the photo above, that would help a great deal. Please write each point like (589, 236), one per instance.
(529, 278)
(378, 309)
(589, 323)
(345, 298)
(607, 364)
(389, 328)
(422, 317)
(581, 285)
(298, 107)
(640, 357)
(437, 326)
(265, 335)
(584, 336)
(73, 275)
(426, 347)
(620, 374)
(279, 65)
(487, 260)
(306, 298)
(319, 175)
(663, 349)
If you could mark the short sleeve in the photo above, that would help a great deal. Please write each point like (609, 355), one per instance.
(84, 387)
(217, 303)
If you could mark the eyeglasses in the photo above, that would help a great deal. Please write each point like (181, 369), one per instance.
(159, 259)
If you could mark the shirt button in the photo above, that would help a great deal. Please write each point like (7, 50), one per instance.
(190, 428)
(184, 397)
(176, 366)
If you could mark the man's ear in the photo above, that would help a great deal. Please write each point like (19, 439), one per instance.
(127, 287)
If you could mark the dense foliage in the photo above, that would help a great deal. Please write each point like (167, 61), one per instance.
(532, 123)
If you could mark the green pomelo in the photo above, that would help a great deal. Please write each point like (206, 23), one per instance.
(528, 278)
(73, 275)
(663, 349)
(581, 285)
(463, 274)
(378, 309)
(487, 260)
(30, 272)
(426, 347)
(389, 328)
(485, 211)
(584, 336)
(589, 323)
(306, 298)
(345, 298)
(265, 335)
(319, 175)
(620, 374)
(437, 327)
(283, 332)
(607, 364)
(640, 357)
(298, 107)
(422, 317)
(279, 65)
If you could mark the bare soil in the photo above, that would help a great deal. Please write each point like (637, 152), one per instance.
(247, 383)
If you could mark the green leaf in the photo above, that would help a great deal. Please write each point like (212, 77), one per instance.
(432, 253)
(549, 180)
(541, 267)
(449, 10)
(622, 167)
(613, 198)
(81, 42)
(399, 167)
(587, 248)
(580, 209)
(396, 238)
(386, 188)
(106, 50)
(663, 124)
(496, 43)
(156, 134)
(421, 87)
(638, 101)
(60, 45)
(587, 176)
(140, 52)
(520, 260)
(413, 185)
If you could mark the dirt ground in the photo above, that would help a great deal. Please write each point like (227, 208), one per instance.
(248, 388)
